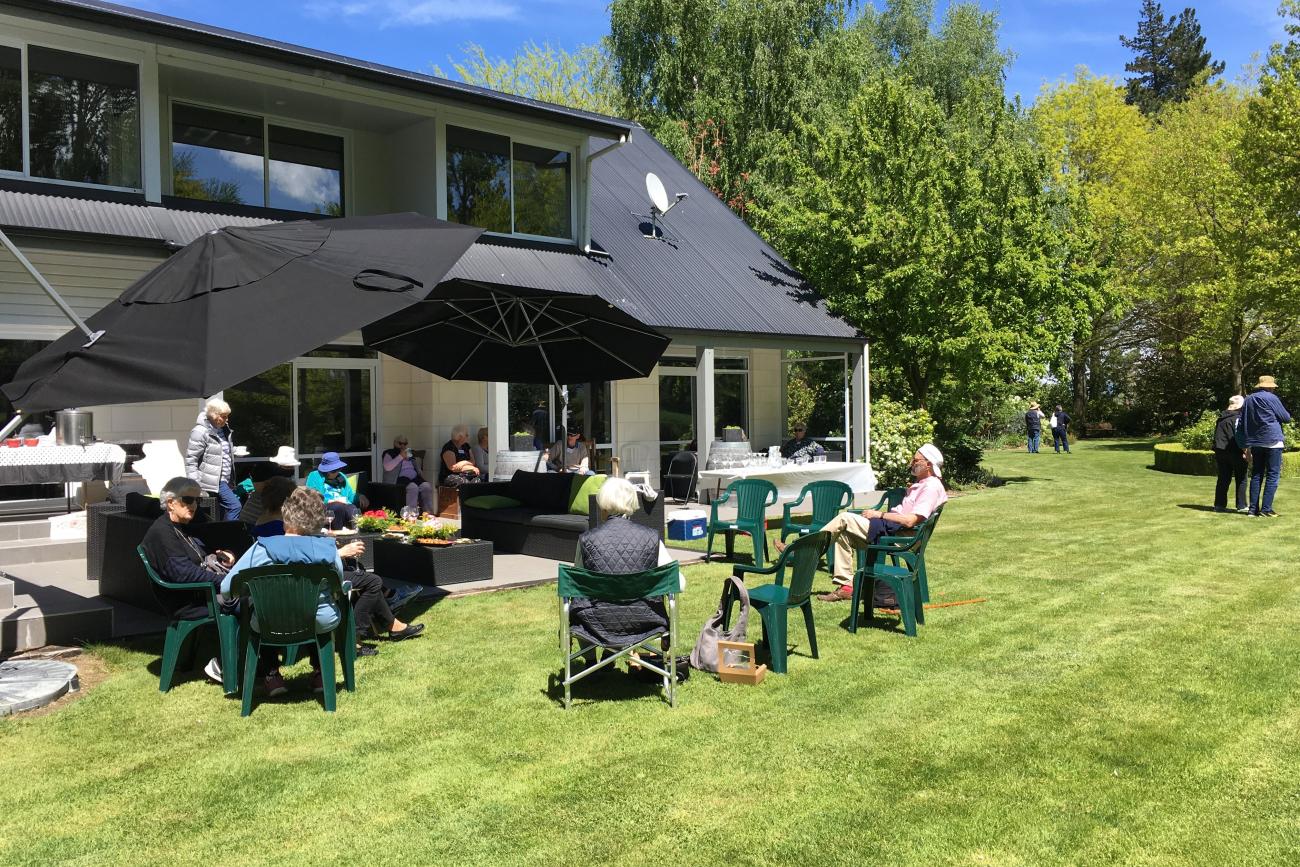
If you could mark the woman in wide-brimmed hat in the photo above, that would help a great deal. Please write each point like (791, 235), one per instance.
(1034, 426)
(1262, 415)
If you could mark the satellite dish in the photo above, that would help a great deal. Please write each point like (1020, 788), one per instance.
(658, 195)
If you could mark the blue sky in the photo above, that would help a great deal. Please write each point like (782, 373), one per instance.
(1049, 37)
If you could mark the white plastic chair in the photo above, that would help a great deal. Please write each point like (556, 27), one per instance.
(634, 461)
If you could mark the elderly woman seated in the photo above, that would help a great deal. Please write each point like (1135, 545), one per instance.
(270, 521)
(304, 517)
(342, 502)
(179, 556)
(457, 465)
(401, 467)
(619, 547)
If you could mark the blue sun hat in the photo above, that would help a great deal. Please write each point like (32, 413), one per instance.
(329, 462)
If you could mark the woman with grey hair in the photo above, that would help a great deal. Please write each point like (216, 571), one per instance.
(619, 547)
(1229, 458)
(210, 456)
(456, 466)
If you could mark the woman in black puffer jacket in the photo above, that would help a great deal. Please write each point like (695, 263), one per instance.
(1229, 457)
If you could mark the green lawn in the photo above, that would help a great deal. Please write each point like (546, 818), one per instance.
(1128, 693)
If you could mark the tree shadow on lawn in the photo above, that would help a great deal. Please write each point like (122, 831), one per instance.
(1144, 446)
(1003, 481)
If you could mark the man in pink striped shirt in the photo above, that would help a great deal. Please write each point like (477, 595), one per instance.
(851, 531)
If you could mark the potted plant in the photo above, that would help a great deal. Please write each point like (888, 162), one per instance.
(733, 434)
(376, 521)
(521, 441)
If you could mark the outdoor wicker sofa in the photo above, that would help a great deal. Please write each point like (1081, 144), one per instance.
(542, 526)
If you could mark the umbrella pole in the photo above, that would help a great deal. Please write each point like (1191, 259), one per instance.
(92, 336)
(13, 423)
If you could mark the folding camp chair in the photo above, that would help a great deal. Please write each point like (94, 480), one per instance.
(662, 581)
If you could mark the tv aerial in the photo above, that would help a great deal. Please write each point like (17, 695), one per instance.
(659, 205)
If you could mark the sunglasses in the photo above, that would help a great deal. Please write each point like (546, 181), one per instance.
(189, 501)
(402, 443)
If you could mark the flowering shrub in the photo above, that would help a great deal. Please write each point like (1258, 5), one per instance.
(896, 433)
(1199, 435)
(376, 520)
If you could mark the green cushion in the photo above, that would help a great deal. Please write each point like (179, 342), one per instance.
(583, 488)
(492, 501)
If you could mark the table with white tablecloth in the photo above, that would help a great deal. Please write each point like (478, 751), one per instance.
(56, 465)
(791, 478)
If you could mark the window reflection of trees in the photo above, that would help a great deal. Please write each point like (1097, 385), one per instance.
(11, 109)
(84, 118)
(478, 179)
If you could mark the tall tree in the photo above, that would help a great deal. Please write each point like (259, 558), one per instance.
(1169, 58)
(1272, 140)
(582, 78)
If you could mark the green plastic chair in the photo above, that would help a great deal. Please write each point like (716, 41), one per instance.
(889, 498)
(663, 581)
(774, 601)
(904, 575)
(179, 630)
(829, 498)
(285, 597)
(752, 498)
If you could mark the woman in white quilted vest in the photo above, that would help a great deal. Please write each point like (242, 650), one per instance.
(619, 547)
(210, 456)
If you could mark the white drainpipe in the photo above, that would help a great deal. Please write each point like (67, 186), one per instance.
(591, 158)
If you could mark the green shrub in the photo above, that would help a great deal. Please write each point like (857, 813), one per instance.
(1176, 458)
(961, 460)
(896, 433)
(1200, 434)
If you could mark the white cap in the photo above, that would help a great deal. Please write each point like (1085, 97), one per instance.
(285, 457)
(932, 454)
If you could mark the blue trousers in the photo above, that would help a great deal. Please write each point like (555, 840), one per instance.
(230, 504)
(1035, 436)
(1060, 438)
(1265, 470)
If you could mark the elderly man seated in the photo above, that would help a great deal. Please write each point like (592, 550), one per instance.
(851, 531)
(570, 455)
(800, 445)
(179, 556)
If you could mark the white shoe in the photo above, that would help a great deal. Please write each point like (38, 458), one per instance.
(213, 670)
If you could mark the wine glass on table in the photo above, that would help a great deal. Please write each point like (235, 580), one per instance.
(329, 522)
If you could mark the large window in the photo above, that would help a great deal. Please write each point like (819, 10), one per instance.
(817, 391)
(81, 118)
(221, 156)
(506, 186)
(11, 109)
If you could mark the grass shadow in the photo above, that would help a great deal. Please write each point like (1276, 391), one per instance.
(608, 684)
(1196, 507)
(1002, 481)
(1144, 446)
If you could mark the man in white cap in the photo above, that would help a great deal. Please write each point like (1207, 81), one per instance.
(851, 531)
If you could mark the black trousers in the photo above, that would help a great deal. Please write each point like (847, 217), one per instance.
(372, 605)
(1232, 467)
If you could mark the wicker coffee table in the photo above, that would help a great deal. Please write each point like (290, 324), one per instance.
(434, 565)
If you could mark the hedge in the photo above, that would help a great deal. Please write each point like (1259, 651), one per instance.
(1174, 458)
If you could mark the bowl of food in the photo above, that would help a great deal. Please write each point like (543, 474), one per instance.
(13, 442)
(31, 441)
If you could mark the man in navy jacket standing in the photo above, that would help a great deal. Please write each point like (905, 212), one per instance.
(1261, 420)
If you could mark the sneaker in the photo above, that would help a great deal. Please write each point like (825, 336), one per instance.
(1270, 514)
(367, 650)
(213, 670)
(1243, 511)
(840, 594)
(275, 684)
(317, 682)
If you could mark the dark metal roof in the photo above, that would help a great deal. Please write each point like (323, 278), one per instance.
(153, 24)
(709, 272)
(90, 217)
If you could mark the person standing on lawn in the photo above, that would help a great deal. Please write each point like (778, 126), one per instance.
(1229, 458)
(1060, 430)
(1034, 427)
(851, 532)
(1262, 415)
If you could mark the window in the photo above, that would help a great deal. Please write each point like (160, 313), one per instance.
(508, 187)
(11, 109)
(816, 394)
(221, 156)
(82, 117)
(677, 398)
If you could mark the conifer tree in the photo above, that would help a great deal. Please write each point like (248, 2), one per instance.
(1169, 58)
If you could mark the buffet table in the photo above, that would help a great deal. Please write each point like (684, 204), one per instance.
(791, 478)
(56, 465)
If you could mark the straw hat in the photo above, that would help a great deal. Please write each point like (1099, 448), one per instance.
(1033, 404)
(1266, 382)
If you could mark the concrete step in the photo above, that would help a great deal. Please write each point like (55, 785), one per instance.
(26, 551)
(23, 531)
(6, 594)
(52, 615)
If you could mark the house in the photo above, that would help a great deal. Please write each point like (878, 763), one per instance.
(125, 134)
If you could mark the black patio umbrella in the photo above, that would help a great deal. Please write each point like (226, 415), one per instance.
(238, 301)
(510, 334)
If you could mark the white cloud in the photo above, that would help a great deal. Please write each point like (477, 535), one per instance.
(307, 184)
(243, 162)
(390, 13)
